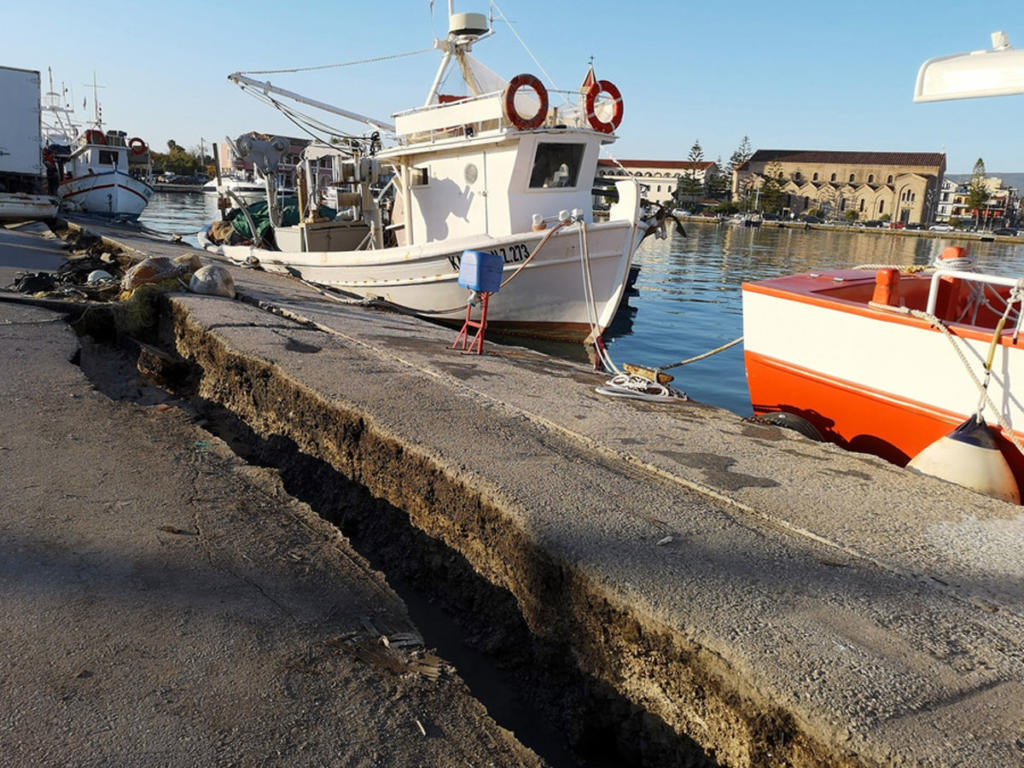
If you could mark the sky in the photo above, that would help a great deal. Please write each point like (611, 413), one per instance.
(826, 76)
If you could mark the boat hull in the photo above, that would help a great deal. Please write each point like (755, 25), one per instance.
(871, 380)
(16, 206)
(111, 193)
(546, 299)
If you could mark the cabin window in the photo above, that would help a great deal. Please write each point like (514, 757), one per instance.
(556, 165)
(108, 157)
(418, 177)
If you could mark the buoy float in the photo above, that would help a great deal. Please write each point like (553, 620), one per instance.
(969, 456)
(590, 102)
(521, 122)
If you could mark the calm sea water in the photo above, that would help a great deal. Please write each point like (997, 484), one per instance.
(688, 292)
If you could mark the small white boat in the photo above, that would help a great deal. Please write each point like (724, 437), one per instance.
(97, 177)
(497, 171)
(97, 172)
(249, 189)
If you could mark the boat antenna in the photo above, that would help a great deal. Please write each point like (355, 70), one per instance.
(97, 109)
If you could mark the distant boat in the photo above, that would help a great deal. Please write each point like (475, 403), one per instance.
(98, 172)
(97, 178)
(746, 220)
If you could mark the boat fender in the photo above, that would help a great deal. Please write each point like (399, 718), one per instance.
(509, 101)
(969, 456)
(596, 89)
(137, 145)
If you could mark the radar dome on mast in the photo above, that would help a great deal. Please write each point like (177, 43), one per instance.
(467, 25)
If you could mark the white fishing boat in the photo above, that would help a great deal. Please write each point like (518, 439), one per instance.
(98, 179)
(250, 189)
(498, 170)
(904, 364)
(99, 172)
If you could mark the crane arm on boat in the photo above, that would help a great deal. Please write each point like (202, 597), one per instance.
(242, 81)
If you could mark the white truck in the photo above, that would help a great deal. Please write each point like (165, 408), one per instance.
(21, 159)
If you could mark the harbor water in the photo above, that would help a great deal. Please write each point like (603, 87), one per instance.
(687, 297)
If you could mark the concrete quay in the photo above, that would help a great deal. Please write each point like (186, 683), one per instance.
(767, 600)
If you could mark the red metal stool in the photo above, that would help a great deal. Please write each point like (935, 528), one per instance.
(480, 325)
(481, 272)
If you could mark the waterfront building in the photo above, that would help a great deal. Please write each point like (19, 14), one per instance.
(659, 179)
(1000, 208)
(901, 186)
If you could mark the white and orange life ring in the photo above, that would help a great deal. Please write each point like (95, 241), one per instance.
(509, 101)
(137, 145)
(596, 89)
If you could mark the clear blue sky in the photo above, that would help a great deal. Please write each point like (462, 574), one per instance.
(788, 75)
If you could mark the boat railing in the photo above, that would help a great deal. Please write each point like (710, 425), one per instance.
(459, 116)
(976, 277)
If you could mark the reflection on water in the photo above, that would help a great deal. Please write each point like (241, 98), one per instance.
(688, 293)
(180, 213)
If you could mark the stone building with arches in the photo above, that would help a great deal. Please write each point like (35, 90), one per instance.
(899, 186)
(658, 178)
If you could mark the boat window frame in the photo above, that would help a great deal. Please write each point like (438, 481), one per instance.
(576, 148)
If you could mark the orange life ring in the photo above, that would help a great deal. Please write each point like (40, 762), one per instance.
(520, 122)
(595, 89)
(137, 145)
(95, 137)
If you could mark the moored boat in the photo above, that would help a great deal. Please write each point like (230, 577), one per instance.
(886, 363)
(97, 175)
(496, 170)
(99, 172)
(903, 364)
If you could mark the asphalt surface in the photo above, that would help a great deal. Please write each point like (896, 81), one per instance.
(163, 603)
(877, 613)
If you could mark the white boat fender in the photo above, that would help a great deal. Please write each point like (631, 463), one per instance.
(213, 280)
(969, 456)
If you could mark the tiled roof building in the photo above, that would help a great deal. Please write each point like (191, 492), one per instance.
(903, 186)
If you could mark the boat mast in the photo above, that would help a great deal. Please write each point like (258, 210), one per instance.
(456, 45)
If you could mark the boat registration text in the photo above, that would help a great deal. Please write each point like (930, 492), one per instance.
(510, 254)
